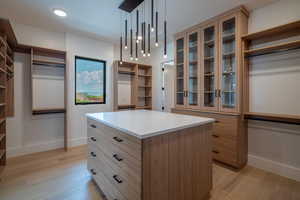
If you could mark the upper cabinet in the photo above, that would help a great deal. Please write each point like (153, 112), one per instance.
(208, 63)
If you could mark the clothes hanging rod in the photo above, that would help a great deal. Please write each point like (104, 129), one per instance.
(272, 52)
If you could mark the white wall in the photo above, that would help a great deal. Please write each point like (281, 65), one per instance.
(81, 46)
(273, 86)
(272, 146)
(29, 134)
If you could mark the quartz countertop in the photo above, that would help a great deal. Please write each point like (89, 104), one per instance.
(145, 123)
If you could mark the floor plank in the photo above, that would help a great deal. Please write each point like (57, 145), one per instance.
(59, 175)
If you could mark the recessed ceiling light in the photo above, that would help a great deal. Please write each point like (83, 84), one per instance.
(60, 12)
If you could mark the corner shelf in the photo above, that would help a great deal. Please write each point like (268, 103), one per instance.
(49, 63)
(270, 49)
(48, 111)
(291, 119)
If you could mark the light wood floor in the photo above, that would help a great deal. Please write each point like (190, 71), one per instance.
(57, 175)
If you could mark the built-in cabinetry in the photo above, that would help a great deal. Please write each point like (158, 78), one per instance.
(7, 44)
(209, 81)
(132, 86)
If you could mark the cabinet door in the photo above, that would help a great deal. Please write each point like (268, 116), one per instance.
(193, 74)
(180, 91)
(209, 67)
(228, 65)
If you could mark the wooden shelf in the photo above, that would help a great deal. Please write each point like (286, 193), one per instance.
(49, 63)
(2, 104)
(2, 87)
(126, 72)
(126, 107)
(230, 54)
(209, 58)
(2, 136)
(144, 107)
(210, 43)
(228, 37)
(293, 26)
(2, 153)
(48, 111)
(290, 119)
(142, 75)
(9, 60)
(270, 49)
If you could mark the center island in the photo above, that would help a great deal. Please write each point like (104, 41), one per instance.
(150, 155)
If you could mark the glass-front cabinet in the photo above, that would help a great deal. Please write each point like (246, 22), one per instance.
(180, 92)
(209, 67)
(228, 67)
(193, 69)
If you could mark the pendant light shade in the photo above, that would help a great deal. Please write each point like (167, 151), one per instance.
(126, 29)
(121, 50)
(156, 29)
(149, 42)
(131, 47)
(137, 26)
(152, 15)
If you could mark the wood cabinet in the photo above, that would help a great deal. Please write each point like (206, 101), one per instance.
(209, 79)
(170, 166)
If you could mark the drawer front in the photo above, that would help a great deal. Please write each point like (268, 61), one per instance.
(127, 143)
(119, 179)
(225, 155)
(129, 163)
(105, 185)
(223, 142)
(102, 160)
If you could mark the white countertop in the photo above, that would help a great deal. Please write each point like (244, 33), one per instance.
(144, 124)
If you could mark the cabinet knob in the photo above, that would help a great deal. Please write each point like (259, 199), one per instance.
(93, 154)
(93, 172)
(216, 152)
(93, 139)
(116, 156)
(117, 139)
(216, 136)
(117, 179)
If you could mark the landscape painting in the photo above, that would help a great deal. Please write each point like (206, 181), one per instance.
(90, 81)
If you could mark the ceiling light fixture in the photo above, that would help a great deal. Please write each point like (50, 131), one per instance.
(60, 12)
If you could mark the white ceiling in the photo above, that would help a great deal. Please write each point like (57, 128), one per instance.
(101, 18)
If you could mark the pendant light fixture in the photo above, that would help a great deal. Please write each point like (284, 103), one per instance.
(165, 31)
(126, 30)
(147, 21)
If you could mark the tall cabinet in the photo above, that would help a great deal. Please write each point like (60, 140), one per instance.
(209, 73)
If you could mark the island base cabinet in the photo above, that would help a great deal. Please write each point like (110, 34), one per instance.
(171, 166)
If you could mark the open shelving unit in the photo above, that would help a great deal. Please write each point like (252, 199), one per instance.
(132, 86)
(8, 42)
(280, 39)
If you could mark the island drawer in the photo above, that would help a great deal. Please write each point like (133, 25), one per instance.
(95, 154)
(115, 154)
(219, 141)
(123, 141)
(110, 192)
(118, 177)
(224, 155)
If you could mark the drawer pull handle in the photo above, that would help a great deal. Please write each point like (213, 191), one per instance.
(217, 121)
(216, 136)
(93, 154)
(93, 126)
(117, 139)
(93, 139)
(117, 179)
(93, 172)
(117, 157)
(216, 152)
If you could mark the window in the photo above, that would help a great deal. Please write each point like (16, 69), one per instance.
(90, 76)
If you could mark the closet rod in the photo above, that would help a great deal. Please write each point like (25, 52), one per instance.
(49, 65)
(271, 52)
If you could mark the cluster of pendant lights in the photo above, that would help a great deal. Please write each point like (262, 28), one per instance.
(143, 30)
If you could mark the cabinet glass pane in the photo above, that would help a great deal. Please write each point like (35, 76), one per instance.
(180, 71)
(209, 67)
(193, 69)
(228, 64)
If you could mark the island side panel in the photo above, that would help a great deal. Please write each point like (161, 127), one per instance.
(178, 165)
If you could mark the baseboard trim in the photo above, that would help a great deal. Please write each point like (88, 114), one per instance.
(57, 144)
(274, 167)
